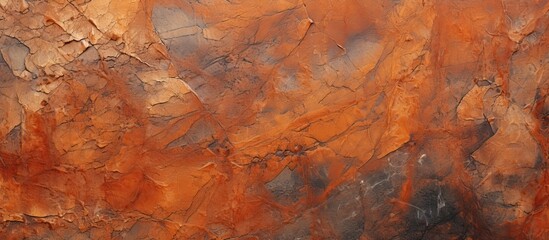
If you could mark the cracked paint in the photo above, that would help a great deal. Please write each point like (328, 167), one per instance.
(283, 119)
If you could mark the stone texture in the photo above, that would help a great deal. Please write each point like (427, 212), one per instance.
(283, 119)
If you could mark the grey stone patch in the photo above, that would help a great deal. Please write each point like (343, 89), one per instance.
(200, 131)
(398, 158)
(540, 163)
(14, 53)
(297, 230)
(208, 89)
(90, 55)
(472, 165)
(484, 82)
(495, 210)
(218, 66)
(434, 214)
(484, 132)
(288, 80)
(286, 187)
(345, 213)
(319, 179)
(360, 49)
(288, 83)
(184, 46)
(169, 19)
(510, 180)
(379, 186)
(177, 29)
(343, 66)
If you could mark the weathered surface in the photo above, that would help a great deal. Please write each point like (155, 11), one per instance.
(283, 119)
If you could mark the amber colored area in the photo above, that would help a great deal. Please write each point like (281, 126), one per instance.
(274, 119)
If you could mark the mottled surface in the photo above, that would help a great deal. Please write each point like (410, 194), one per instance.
(279, 119)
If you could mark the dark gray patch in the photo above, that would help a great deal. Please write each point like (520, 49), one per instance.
(540, 163)
(279, 153)
(318, 184)
(378, 186)
(483, 132)
(286, 186)
(471, 163)
(319, 179)
(398, 158)
(434, 214)
(497, 178)
(514, 181)
(220, 147)
(183, 46)
(299, 229)
(345, 213)
(483, 83)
